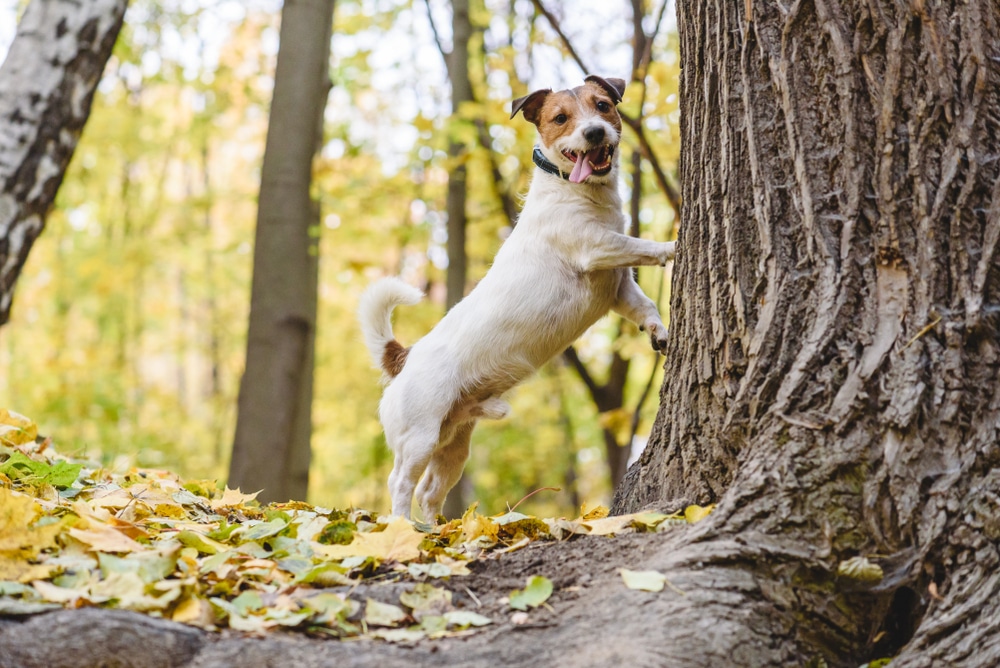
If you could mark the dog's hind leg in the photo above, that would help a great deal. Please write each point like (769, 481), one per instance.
(413, 453)
(492, 408)
(443, 471)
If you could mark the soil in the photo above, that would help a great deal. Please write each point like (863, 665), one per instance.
(592, 619)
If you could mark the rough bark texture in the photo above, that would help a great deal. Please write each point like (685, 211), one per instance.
(274, 423)
(832, 376)
(47, 83)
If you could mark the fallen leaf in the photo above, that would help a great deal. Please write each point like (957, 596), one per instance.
(16, 429)
(426, 599)
(695, 513)
(598, 513)
(466, 618)
(383, 614)
(398, 542)
(536, 592)
(105, 539)
(643, 580)
(232, 498)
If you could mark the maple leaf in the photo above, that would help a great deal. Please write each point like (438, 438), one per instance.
(399, 541)
(232, 498)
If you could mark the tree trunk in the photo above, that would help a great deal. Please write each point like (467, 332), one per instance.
(47, 84)
(461, 93)
(832, 372)
(273, 429)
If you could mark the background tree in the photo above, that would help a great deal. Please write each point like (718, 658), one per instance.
(132, 335)
(47, 84)
(271, 450)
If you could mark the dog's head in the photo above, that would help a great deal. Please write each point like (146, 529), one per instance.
(580, 127)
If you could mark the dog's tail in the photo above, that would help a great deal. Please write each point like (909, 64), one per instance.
(375, 313)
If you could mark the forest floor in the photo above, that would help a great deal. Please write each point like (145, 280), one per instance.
(591, 619)
(143, 569)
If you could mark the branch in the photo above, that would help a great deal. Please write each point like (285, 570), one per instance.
(673, 197)
(596, 391)
(437, 35)
(565, 40)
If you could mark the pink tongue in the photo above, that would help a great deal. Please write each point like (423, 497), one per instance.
(582, 168)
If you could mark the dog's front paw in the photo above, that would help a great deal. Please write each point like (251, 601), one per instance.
(667, 253)
(657, 335)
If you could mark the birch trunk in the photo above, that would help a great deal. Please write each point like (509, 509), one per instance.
(47, 84)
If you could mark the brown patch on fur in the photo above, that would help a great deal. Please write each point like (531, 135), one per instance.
(394, 357)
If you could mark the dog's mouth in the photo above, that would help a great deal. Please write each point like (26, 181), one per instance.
(595, 161)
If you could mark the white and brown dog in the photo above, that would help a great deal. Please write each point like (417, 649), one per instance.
(565, 264)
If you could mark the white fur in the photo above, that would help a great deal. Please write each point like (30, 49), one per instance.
(565, 264)
(375, 312)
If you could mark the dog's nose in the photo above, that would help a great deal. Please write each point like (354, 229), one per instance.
(594, 134)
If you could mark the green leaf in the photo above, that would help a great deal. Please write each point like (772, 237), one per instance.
(643, 580)
(537, 591)
(60, 474)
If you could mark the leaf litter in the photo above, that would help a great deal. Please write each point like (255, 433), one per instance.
(73, 534)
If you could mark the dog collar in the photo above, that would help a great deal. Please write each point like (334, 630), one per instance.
(546, 165)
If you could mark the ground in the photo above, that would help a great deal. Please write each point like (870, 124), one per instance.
(591, 619)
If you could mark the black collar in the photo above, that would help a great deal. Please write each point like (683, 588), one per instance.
(546, 165)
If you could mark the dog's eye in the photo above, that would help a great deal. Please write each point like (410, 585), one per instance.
(603, 107)
(560, 119)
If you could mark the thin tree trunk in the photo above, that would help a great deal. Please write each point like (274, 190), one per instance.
(273, 429)
(832, 371)
(47, 84)
(461, 93)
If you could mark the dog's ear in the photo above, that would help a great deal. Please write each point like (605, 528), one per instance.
(531, 105)
(614, 87)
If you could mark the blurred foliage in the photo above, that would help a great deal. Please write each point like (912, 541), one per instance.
(128, 329)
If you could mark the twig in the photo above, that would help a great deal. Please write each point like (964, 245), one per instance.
(531, 494)
(923, 330)
(437, 35)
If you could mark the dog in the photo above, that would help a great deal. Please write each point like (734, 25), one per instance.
(564, 265)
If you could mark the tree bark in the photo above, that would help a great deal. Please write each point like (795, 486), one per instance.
(47, 84)
(273, 429)
(832, 371)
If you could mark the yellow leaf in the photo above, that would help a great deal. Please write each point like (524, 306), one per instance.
(194, 611)
(609, 525)
(695, 513)
(18, 536)
(15, 429)
(475, 526)
(643, 580)
(618, 421)
(106, 539)
(54, 594)
(598, 513)
(231, 498)
(398, 542)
